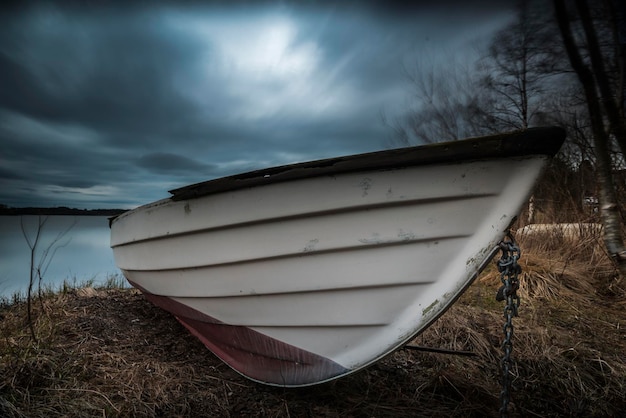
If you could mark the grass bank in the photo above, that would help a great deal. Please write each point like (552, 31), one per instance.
(108, 352)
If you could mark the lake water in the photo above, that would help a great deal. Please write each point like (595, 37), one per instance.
(82, 254)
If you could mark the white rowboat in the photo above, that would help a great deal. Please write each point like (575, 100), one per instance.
(299, 274)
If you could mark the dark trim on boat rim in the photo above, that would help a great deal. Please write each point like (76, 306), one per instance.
(534, 141)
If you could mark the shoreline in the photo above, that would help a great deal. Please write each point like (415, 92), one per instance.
(60, 211)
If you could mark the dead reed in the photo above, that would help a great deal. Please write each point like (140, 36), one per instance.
(108, 352)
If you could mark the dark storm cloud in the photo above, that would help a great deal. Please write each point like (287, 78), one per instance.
(111, 71)
(8, 175)
(104, 104)
(166, 163)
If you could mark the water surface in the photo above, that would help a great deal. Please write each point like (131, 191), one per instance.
(82, 254)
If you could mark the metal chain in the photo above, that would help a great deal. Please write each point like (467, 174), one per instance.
(509, 272)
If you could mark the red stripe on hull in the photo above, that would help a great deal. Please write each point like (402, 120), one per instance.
(249, 352)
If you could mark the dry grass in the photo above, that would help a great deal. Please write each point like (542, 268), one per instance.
(110, 353)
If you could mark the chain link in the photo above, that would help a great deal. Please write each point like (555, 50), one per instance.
(509, 271)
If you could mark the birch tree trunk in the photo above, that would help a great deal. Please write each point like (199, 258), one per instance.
(592, 82)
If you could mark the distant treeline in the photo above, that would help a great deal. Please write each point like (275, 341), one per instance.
(60, 211)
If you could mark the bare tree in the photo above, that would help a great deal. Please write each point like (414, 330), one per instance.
(446, 104)
(603, 107)
(39, 263)
(510, 88)
(522, 63)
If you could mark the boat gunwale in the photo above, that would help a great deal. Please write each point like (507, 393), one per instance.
(532, 141)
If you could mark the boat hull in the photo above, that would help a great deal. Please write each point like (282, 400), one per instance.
(301, 281)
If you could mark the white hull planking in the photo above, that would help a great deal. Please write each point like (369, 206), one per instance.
(348, 267)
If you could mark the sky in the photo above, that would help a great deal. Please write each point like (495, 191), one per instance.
(112, 104)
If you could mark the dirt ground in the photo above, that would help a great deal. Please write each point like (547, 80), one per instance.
(109, 352)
